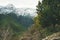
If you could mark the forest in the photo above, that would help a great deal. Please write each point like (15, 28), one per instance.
(44, 26)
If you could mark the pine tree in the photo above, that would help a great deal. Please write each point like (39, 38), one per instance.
(49, 12)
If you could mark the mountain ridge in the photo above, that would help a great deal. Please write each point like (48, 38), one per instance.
(20, 11)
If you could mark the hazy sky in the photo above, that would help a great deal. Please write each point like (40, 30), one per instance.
(20, 3)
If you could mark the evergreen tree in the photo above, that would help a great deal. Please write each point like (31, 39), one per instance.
(49, 12)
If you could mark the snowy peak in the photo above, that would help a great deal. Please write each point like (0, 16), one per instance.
(19, 11)
(10, 6)
(26, 11)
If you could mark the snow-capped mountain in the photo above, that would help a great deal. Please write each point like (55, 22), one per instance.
(19, 11)
(26, 11)
(7, 9)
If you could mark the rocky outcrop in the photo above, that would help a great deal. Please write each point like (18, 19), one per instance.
(30, 35)
(55, 36)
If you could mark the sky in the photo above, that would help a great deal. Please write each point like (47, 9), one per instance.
(20, 3)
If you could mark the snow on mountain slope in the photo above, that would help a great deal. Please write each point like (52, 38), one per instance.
(19, 11)
(27, 11)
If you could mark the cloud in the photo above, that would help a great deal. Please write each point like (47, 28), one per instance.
(20, 3)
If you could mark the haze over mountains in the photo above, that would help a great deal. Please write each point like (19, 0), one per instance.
(20, 11)
(22, 15)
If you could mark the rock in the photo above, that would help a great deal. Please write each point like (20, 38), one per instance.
(55, 36)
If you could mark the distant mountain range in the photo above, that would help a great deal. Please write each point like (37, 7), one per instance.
(19, 11)
(14, 21)
(23, 16)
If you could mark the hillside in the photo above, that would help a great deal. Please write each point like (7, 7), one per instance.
(46, 24)
(12, 24)
(42, 23)
(9, 27)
